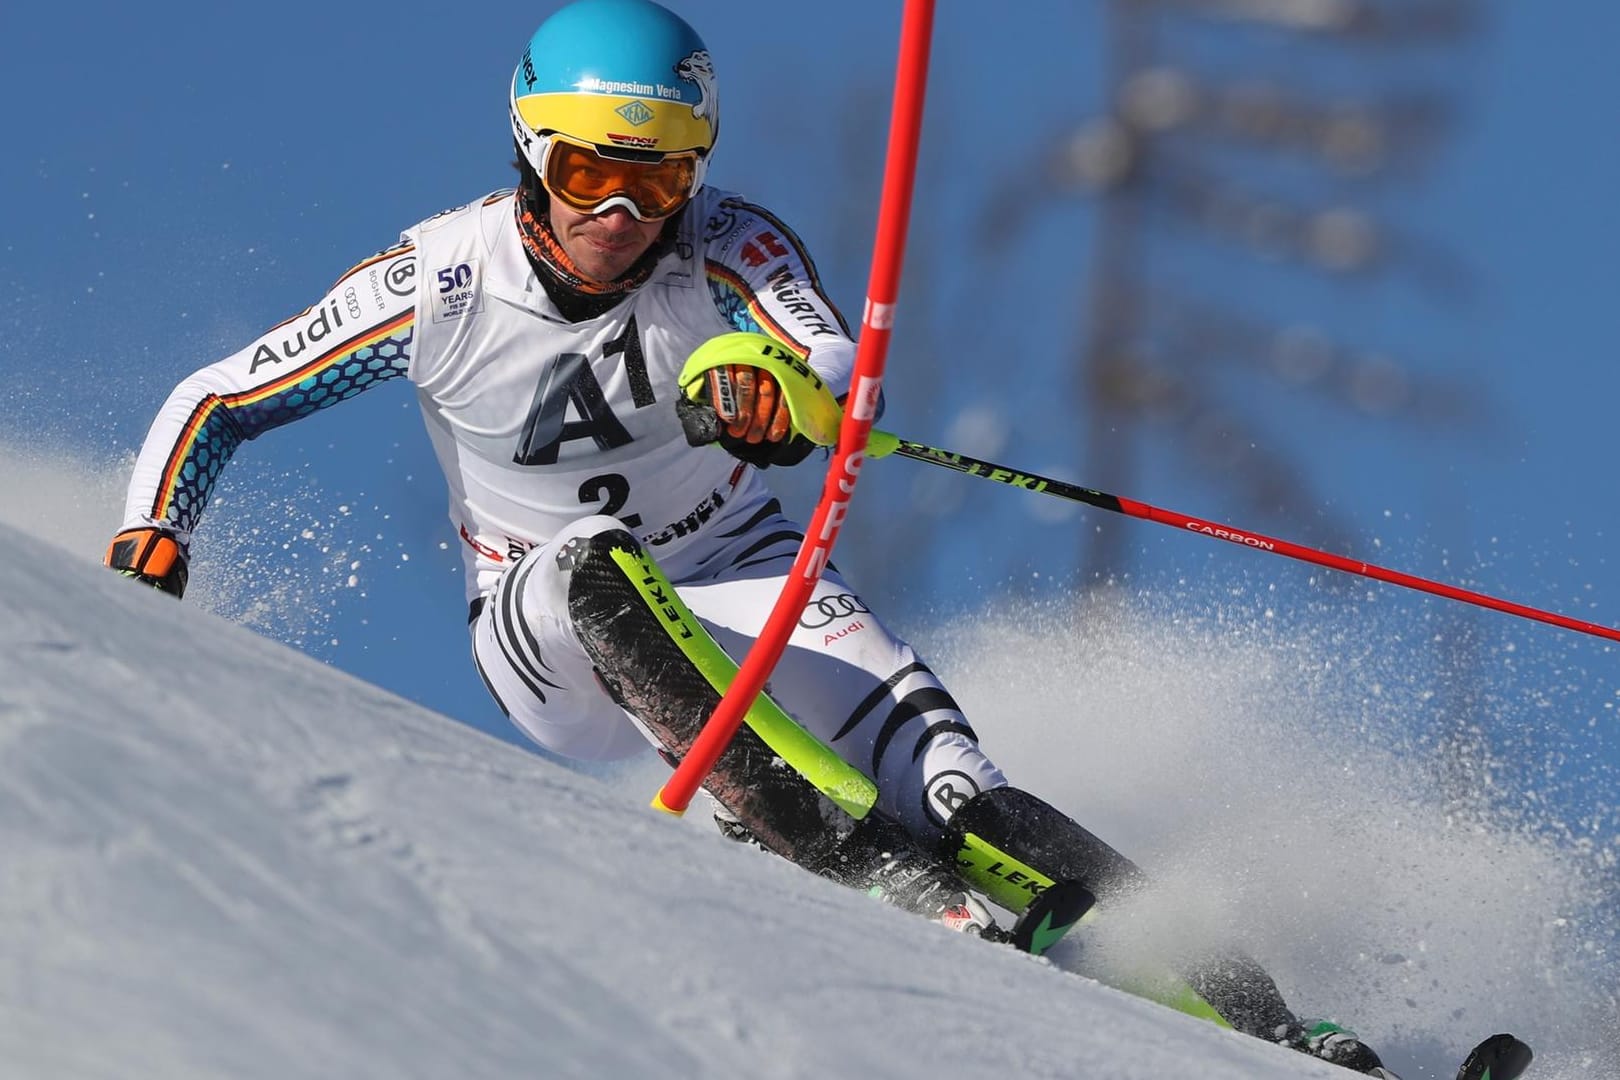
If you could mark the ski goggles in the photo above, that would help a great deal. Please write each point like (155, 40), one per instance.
(587, 181)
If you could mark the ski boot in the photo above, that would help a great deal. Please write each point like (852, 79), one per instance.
(913, 881)
(932, 889)
(1335, 1044)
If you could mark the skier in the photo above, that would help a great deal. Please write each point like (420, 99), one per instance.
(544, 329)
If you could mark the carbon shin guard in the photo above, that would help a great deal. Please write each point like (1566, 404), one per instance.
(647, 672)
(1012, 846)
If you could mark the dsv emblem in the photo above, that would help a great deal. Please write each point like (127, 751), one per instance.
(827, 608)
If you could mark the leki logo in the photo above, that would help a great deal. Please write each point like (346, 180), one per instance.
(635, 112)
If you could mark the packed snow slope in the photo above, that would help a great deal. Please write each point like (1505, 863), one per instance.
(224, 859)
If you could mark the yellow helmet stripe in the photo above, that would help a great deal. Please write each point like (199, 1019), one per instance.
(612, 120)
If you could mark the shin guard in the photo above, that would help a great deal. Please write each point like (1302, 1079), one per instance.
(1012, 846)
(634, 638)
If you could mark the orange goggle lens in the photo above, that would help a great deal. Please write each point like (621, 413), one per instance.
(584, 180)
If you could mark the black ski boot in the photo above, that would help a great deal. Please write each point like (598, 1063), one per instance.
(1335, 1044)
(881, 858)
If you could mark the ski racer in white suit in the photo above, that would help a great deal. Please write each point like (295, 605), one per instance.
(544, 329)
(544, 345)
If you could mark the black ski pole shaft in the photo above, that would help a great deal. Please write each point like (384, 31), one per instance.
(882, 444)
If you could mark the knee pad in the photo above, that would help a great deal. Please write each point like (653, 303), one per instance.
(1012, 846)
(637, 661)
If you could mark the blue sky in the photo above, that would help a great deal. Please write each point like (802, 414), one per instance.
(180, 177)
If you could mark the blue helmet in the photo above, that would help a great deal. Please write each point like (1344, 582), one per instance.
(617, 75)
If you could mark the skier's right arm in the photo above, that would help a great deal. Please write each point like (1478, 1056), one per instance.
(358, 335)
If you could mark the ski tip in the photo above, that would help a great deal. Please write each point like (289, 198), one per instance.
(1050, 916)
(1500, 1057)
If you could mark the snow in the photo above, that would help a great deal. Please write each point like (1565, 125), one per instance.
(224, 859)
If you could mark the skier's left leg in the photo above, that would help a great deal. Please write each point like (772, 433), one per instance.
(654, 660)
(867, 694)
(860, 689)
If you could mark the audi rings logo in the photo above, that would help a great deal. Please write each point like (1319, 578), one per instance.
(830, 608)
(401, 277)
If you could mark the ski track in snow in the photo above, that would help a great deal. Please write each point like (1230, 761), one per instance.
(224, 859)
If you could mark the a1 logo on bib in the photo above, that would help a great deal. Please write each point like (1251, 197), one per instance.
(456, 291)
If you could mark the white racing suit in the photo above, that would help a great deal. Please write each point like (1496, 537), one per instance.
(546, 428)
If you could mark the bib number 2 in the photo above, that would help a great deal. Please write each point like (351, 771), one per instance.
(617, 490)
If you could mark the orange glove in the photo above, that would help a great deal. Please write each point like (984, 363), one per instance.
(749, 403)
(150, 555)
(744, 410)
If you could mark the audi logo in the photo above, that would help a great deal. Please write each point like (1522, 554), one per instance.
(834, 606)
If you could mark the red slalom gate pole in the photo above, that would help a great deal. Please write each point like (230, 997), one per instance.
(877, 319)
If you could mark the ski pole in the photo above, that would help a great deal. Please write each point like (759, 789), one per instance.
(882, 444)
(883, 288)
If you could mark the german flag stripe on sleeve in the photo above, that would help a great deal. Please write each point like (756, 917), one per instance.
(733, 283)
(221, 422)
(799, 249)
